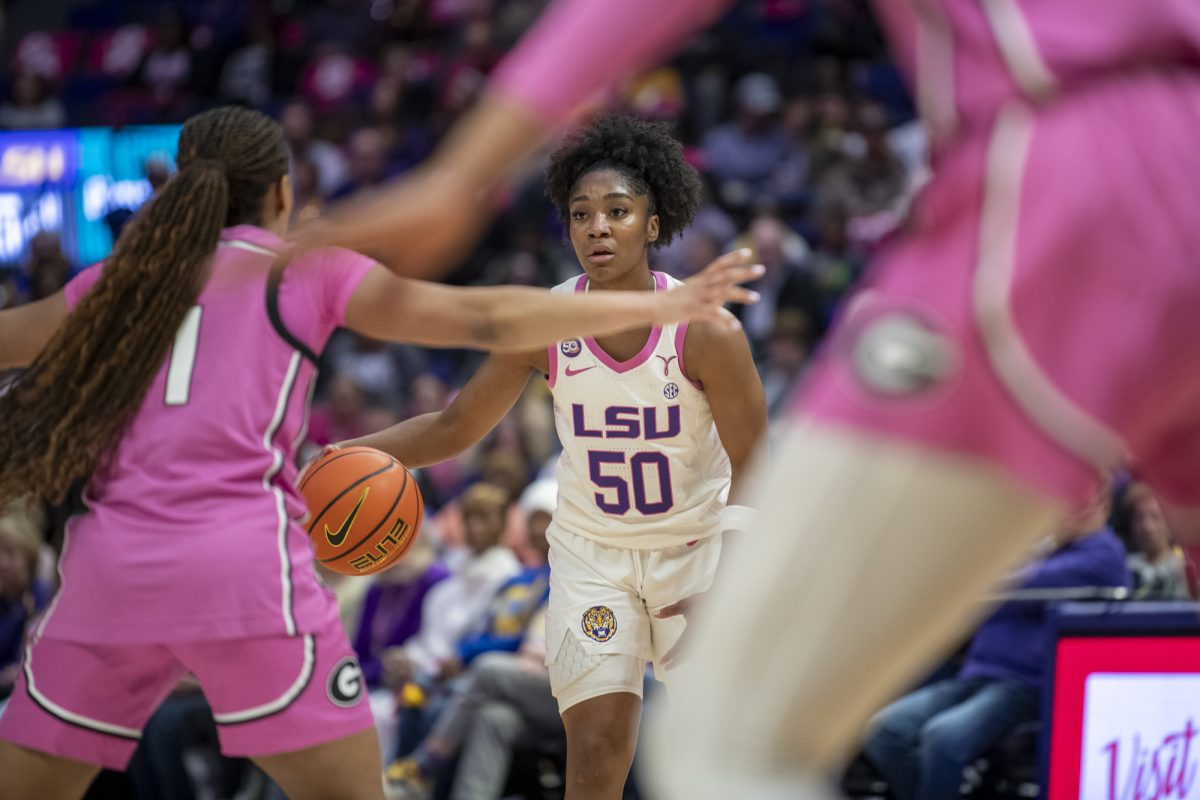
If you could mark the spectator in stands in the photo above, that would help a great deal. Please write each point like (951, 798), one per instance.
(405, 138)
(48, 268)
(833, 145)
(368, 161)
(789, 178)
(786, 284)
(1158, 567)
(787, 353)
(166, 72)
(879, 177)
(341, 416)
(392, 612)
(504, 666)
(743, 154)
(158, 172)
(246, 76)
(836, 262)
(503, 700)
(343, 26)
(530, 262)
(299, 130)
(923, 741)
(382, 371)
(22, 595)
(32, 105)
(391, 615)
(460, 602)
(696, 247)
(507, 617)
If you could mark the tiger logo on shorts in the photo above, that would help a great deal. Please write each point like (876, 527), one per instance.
(599, 623)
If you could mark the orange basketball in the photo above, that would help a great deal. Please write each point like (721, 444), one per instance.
(365, 510)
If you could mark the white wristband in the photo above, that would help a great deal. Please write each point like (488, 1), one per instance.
(739, 518)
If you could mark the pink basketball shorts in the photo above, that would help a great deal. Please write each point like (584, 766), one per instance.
(89, 702)
(1042, 310)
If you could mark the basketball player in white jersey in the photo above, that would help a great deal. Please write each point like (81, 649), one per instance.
(655, 424)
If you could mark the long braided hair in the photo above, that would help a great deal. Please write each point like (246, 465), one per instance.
(64, 417)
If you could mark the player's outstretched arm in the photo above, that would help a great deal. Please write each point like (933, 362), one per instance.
(26, 329)
(441, 435)
(518, 319)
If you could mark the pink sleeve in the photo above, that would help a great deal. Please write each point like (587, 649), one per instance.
(344, 271)
(579, 46)
(80, 285)
(326, 278)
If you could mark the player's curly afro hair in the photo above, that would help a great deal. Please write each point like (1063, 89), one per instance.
(645, 153)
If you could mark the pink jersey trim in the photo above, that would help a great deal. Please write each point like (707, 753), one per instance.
(62, 558)
(936, 82)
(66, 715)
(680, 339)
(660, 283)
(552, 361)
(1055, 413)
(261, 239)
(272, 488)
(284, 700)
(1020, 51)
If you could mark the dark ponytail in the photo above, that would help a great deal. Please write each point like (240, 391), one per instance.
(64, 416)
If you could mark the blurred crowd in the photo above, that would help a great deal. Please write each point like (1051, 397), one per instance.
(805, 138)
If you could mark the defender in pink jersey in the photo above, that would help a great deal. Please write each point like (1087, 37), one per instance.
(174, 381)
(1032, 327)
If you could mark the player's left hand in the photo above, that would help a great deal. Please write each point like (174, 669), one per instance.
(326, 450)
(704, 295)
(676, 654)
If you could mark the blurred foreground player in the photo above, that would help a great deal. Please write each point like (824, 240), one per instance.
(1032, 325)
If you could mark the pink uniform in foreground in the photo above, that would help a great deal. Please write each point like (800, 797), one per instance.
(1038, 310)
(190, 557)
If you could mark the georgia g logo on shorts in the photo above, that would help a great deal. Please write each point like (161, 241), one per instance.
(345, 685)
(599, 623)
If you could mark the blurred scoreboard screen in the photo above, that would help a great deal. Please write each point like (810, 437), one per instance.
(1125, 716)
(68, 181)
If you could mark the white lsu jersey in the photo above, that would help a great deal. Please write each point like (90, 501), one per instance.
(642, 466)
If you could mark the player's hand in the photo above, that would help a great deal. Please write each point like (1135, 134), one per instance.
(326, 450)
(704, 295)
(676, 654)
(419, 225)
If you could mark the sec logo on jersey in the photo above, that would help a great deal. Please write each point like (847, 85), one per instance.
(571, 348)
(599, 623)
(671, 391)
